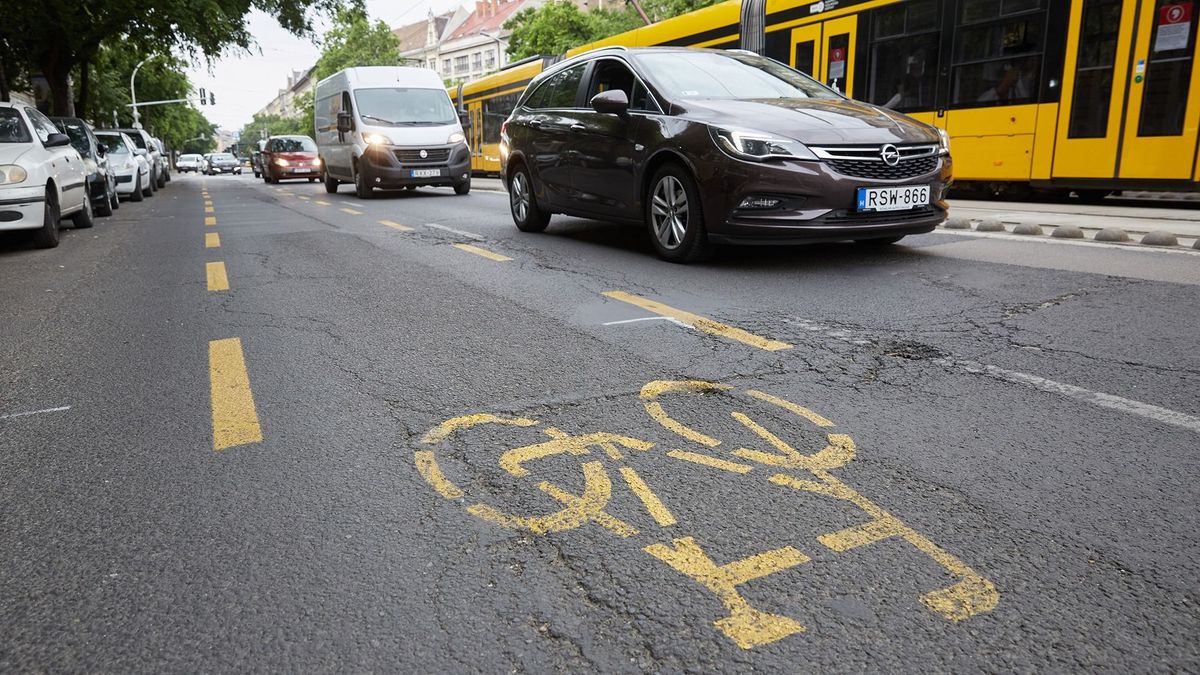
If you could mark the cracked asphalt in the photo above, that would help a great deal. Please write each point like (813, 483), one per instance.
(976, 454)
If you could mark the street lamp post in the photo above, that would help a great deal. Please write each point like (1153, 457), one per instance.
(499, 48)
(137, 117)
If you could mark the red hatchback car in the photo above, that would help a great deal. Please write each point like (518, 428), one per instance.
(287, 157)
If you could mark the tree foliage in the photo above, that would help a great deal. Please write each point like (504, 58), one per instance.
(559, 25)
(353, 40)
(56, 36)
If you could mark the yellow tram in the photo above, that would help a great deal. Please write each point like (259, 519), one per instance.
(1083, 95)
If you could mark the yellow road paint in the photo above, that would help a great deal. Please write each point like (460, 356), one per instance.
(698, 322)
(396, 226)
(212, 240)
(791, 407)
(209, 209)
(745, 625)
(351, 212)
(322, 202)
(210, 220)
(653, 390)
(442, 431)
(217, 279)
(482, 252)
(428, 467)
(513, 461)
(589, 506)
(234, 419)
(710, 461)
(653, 504)
(302, 197)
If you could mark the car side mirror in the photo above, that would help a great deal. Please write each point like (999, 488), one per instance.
(141, 152)
(57, 140)
(344, 122)
(100, 151)
(612, 102)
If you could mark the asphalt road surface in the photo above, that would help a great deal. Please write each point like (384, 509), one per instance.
(304, 432)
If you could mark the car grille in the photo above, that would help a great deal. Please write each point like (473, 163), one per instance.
(876, 170)
(413, 155)
(877, 217)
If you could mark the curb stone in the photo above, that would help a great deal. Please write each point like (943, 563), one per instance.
(957, 223)
(1111, 234)
(1067, 232)
(989, 225)
(1028, 229)
(1160, 238)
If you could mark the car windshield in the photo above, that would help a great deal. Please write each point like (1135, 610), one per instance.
(401, 106)
(728, 76)
(112, 143)
(137, 139)
(79, 139)
(300, 144)
(189, 158)
(12, 127)
(224, 157)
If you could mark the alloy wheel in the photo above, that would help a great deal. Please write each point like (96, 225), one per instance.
(669, 212)
(520, 197)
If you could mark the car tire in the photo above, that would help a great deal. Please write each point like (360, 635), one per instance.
(362, 189)
(84, 218)
(106, 209)
(114, 199)
(522, 202)
(153, 182)
(137, 195)
(47, 235)
(463, 187)
(312, 180)
(878, 242)
(257, 174)
(331, 183)
(672, 204)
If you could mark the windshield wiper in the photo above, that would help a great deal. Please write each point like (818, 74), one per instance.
(380, 119)
(416, 123)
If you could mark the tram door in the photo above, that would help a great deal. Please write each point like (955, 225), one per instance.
(1130, 106)
(825, 51)
(475, 136)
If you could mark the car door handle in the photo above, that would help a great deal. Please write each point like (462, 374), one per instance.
(577, 127)
(535, 123)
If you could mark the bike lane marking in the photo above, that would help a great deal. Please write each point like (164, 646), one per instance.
(700, 323)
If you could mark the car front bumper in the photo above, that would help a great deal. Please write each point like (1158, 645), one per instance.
(22, 208)
(817, 204)
(126, 181)
(384, 170)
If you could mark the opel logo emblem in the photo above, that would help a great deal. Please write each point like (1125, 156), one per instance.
(425, 154)
(890, 155)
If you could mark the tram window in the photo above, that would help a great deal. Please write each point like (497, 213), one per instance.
(1164, 101)
(495, 111)
(837, 56)
(904, 56)
(1094, 68)
(997, 57)
(804, 57)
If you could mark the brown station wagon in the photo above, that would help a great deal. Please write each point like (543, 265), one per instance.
(707, 147)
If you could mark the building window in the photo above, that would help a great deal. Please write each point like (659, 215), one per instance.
(491, 59)
(445, 66)
(904, 56)
(460, 64)
(998, 52)
(477, 61)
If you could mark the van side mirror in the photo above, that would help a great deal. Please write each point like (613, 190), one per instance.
(612, 102)
(57, 140)
(344, 122)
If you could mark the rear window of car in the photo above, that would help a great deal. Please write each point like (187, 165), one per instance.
(304, 144)
(74, 129)
(12, 127)
(137, 139)
(728, 76)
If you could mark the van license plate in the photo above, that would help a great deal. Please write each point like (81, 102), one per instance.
(893, 198)
(426, 173)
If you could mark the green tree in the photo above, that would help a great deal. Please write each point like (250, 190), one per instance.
(352, 41)
(59, 35)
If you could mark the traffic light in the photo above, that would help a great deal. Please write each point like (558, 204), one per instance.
(212, 98)
(202, 97)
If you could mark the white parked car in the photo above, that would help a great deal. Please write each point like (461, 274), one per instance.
(42, 178)
(129, 162)
(144, 141)
(187, 163)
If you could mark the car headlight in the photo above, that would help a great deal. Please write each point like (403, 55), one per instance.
(758, 146)
(316, 162)
(11, 174)
(943, 141)
(456, 137)
(376, 139)
(281, 161)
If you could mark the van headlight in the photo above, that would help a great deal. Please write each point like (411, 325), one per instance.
(11, 174)
(456, 137)
(758, 146)
(943, 141)
(376, 139)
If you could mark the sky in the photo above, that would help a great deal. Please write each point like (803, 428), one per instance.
(244, 83)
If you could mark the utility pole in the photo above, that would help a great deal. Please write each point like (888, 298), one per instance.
(641, 12)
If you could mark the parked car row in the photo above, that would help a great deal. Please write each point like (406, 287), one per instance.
(56, 168)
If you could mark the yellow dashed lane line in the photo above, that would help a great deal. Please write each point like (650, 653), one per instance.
(234, 418)
(698, 322)
(212, 240)
(396, 226)
(217, 279)
(482, 252)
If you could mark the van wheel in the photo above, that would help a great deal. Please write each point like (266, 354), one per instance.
(331, 183)
(137, 195)
(526, 213)
(83, 219)
(362, 189)
(47, 235)
(674, 217)
(463, 187)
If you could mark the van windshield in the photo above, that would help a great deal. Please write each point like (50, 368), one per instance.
(402, 106)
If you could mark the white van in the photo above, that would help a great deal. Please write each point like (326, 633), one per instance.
(389, 127)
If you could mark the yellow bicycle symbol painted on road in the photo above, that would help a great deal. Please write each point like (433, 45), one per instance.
(782, 464)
